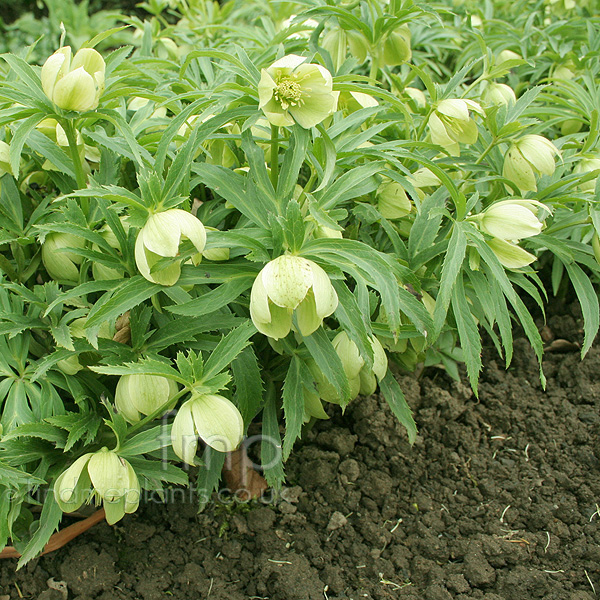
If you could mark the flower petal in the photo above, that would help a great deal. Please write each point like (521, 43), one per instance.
(287, 280)
(218, 422)
(291, 61)
(183, 434)
(76, 91)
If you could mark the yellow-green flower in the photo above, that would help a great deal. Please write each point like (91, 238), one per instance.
(5, 159)
(510, 255)
(396, 46)
(62, 264)
(392, 201)
(213, 418)
(498, 94)
(530, 156)
(138, 395)
(291, 91)
(105, 475)
(286, 285)
(74, 82)
(587, 165)
(451, 124)
(511, 219)
(160, 238)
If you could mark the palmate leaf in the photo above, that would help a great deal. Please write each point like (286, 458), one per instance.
(146, 366)
(147, 441)
(228, 348)
(80, 426)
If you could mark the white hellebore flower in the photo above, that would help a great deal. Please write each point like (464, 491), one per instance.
(160, 237)
(450, 124)
(511, 219)
(74, 83)
(530, 156)
(213, 418)
(291, 283)
(291, 91)
(112, 478)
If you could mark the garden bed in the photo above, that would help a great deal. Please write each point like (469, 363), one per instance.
(497, 500)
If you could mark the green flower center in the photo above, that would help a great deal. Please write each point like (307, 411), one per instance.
(288, 92)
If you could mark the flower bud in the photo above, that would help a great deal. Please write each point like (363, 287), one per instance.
(138, 395)
(510, 255)
(450, 124)
(61, 264)
(417, 95)
(392, 201)
(286, 284)
(596, 247)
(213, 418)
(291, 91)
(74, 83)
(160, 237)
(5, 159)
(587, 165)
(511, 219)
(507, 55)
(530, 156)
(336, 43)
(498, 94)
(354, 365)
(359, 46)
(396, 47)
(313, 407)
(71, 365)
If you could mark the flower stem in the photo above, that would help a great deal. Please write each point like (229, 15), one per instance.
(274, 155)
(159, 411)
(80, 177)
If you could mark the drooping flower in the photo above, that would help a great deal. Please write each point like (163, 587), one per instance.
(160, 237)
(511, 219)
(450, 124)
(105, 475)
(291, 91)
(498, 94)
(5, 159)
(291, 284)
(587, 165)
(510, 255)
(213, 418)
(62, 264)
(530, 156)
(392, 201)
(74, 82)
(138, 395)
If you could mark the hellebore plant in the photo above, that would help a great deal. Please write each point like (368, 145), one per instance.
(205, 235)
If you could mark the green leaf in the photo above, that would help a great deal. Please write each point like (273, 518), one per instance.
(293, 160)
(470, 341)
(270, 447)
(293, 405)
(450, 270)
(324, 354)
(147, 441)
(48, 524)
(209, 475)
(215, 299)
(249, 396)
(588, 298)
(12, 477)
(127, 295)
(146, 366)
(43, 431)
(83, 425)
(392, 392)
(353, 183)
(228, 348)
(353, 321)
(157, 470)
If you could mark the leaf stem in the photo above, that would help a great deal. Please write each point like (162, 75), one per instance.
(80, 177)
(274, 155)
(159, 411)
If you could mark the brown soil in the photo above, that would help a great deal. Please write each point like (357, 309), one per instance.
(497, 500)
